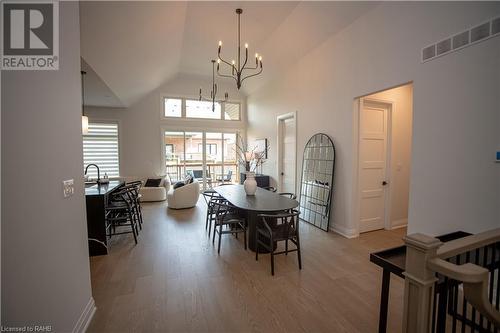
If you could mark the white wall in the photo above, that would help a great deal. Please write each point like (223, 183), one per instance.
(400, 151)
(141, 125)
(45, 262)
(454, 183)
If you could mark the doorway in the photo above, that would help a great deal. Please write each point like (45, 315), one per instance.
(383, 125)
(287, 152)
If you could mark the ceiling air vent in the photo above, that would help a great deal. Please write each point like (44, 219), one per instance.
(480, 32)
(429, 52)
(463, 39)
(495, 26)
(443, 46)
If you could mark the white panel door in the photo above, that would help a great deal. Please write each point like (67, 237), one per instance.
(288, 155)
(372, 165)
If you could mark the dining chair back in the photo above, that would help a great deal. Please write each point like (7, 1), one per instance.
(288, 195)
(228, 216)
(272, 228)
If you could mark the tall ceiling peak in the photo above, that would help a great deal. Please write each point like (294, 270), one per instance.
(134, 47)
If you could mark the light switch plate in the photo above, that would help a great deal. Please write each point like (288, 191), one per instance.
(68, 188)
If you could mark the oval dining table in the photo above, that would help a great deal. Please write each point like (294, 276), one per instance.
(262, 202)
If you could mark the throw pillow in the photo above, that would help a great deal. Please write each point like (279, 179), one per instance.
(153, 182)
(179, 184)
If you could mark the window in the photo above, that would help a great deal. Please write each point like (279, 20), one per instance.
(195, 109)
(211, 148)
(219, 163)
(231, 111)
(100, 146)
(172, 107)
(202, 109)
(169, 151)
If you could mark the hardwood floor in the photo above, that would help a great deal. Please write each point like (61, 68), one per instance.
(174, 281)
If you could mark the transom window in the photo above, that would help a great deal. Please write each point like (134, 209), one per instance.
(195, 109)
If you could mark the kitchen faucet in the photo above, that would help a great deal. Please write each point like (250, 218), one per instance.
(98, 172)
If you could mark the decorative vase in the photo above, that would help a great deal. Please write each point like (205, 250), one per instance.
(250, 184)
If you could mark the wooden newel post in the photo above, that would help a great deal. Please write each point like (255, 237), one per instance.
(419, 283)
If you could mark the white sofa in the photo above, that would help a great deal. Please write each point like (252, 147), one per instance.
(185, 196)
(151, 194)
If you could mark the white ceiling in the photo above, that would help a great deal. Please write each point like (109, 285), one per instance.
(134, 47)
(97, 93)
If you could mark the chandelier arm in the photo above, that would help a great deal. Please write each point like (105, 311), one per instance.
(224, 61)
(246, 59)
(246, 77)
(223, 75)
(249, 68)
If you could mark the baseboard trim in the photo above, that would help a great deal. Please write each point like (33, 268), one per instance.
(401, 223)
(345, 232)
(86, 317)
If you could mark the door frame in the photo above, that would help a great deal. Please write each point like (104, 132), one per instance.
(279, 131)
(356, 212)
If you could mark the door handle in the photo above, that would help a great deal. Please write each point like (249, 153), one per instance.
(384, 183)
(282, 173)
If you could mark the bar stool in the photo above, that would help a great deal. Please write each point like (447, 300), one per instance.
(136, 185)
(120, 213)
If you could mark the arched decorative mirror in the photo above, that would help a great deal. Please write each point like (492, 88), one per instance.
(316, 192)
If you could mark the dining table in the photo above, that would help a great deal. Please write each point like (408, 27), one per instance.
(262, 202)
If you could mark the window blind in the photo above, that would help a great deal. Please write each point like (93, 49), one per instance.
(100, 146)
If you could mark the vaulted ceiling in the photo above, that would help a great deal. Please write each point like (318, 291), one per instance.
(134, 47)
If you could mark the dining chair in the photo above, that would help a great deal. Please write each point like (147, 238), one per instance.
(227, 215)
(210, 197)
(275, 228)
(270, 188)
(288, 195)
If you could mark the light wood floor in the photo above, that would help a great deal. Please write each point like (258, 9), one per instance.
(174, 281)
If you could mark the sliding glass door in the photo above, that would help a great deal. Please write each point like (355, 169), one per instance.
(210, 157)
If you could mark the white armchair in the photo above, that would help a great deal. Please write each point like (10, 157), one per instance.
(185, 196)
(150, 194)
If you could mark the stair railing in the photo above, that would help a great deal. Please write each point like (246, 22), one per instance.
(445, 282)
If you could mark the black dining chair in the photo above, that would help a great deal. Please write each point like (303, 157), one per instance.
(228, 216)
(274, 228)
(270, 188)
(210, 197)
(288, 195)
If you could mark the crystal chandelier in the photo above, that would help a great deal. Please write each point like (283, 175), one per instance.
(236, 67)
(213, 92)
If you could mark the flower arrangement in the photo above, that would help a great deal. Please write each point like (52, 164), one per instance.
(250, 158)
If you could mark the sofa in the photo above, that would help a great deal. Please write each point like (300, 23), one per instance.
(159, 193)
(185, 196)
